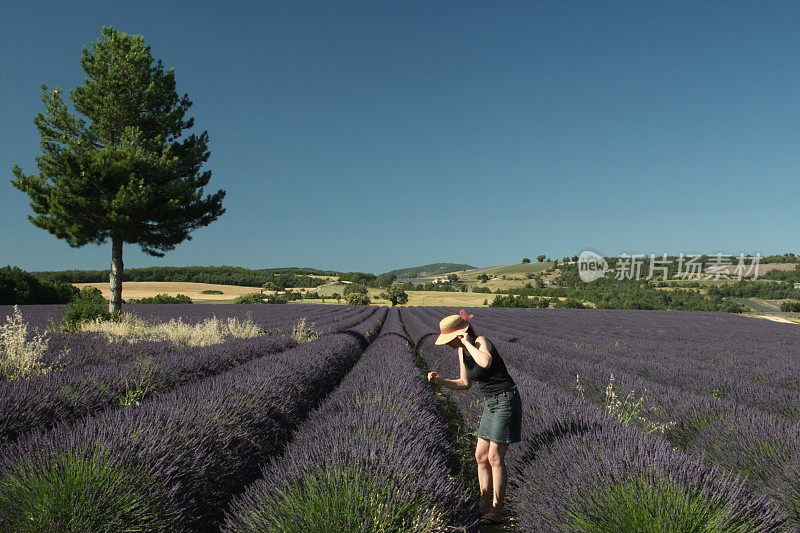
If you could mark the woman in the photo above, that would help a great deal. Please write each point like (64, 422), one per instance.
(501, 422)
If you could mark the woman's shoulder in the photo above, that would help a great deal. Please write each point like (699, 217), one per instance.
(483, 340)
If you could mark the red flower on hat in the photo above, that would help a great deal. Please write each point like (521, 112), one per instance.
(465, 316)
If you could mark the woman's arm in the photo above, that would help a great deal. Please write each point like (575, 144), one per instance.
(462, 383)
(478, 351)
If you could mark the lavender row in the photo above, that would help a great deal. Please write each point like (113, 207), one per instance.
(84, 349)
(575, 466)
(733, 436)
(43, 401)
(40, 317)
(70, 351)
(758, 351)
(265, 316)
(734, 383)
(609, 478)
(37, 317)
(174, 462)
(697, 339)
(759, 445)
(373, 457)
(60, 396)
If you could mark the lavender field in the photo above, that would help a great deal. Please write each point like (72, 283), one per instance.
(696, 431)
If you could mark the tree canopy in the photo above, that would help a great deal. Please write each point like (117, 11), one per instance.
(125, 172)
(395, 294)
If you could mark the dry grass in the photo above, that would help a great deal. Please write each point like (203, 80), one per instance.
(788, 319)
(211, 331)
(143, 289)
(135, 392)
(19, 358)
(303, 332)
(629, 409)
(516, 268)
(436, 298)
(763, 268)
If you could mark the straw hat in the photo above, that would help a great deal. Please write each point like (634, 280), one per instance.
(452, 326)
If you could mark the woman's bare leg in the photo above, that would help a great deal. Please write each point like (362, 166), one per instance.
(484, 474)
(497, 461)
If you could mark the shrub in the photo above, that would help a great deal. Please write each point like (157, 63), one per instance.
(570, 303)
(137, 389)
(356, 298)
(733, 307)
(396, 295)
(87, 305)
(271, 286)
(164, 299)
(630, 408)
(303, 332)
(292, 296)
(252, 298)
(792, 307)
(20, 287)
(19, 358)
(509, 300)
(210, 331)
(355, 288)
(211, 291)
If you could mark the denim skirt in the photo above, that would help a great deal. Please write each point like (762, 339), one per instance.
(502, 417)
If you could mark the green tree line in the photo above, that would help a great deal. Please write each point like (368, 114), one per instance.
(20, 287)
(222, 275)
(610, 293)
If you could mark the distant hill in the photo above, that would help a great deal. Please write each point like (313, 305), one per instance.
(517, 268)
(435, 269)
(230, 275)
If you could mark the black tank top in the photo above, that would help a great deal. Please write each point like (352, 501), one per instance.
(492, 380)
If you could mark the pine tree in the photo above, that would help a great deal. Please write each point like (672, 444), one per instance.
(128, 174)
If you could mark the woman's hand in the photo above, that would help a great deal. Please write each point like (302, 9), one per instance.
(463, 338)
(432, 377)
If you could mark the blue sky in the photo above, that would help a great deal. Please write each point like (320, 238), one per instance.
(370, 136)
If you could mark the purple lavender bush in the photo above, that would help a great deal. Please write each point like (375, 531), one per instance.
(43, 401)
(692, 497)
(70, 351)
(373, 457)
(61, 396)
(173, 462)
(613, 479)
(756, 444)
(38, 317)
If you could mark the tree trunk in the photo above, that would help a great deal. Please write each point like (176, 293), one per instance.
(115, 277)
